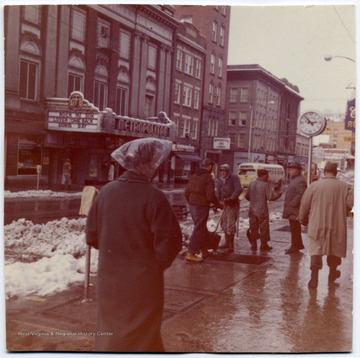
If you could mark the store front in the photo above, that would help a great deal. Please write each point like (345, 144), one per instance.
(184, 162)
(78, 131)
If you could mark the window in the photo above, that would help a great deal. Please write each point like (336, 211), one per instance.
(28, 80)
(244, 94)
(214, 31)
(212, 63)
(121, 101)
(177, 92)
(218, 95)
(187, 127)
(152, 56)
(222, 35)
(179, 59)
(195, 128)
(187, 96)
(233, 94)
(74, 83)
(211, 93)
(241, 140)
(242, 118)
(189, 64)
(29, 156)
(125, 40)
(100, 94)
(103, 34)
(78, 25)
(198, 69)
(213, 127)
(32, 14)
(149, 106)
(196, 98)
(220, 67)
(232, 118)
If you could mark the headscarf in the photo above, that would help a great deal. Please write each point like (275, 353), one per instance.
(143, 156)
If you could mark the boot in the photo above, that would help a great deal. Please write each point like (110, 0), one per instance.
(231, 243)
(313, 283)
(226, 244)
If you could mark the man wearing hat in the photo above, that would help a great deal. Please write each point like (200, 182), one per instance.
(324, 208)
(293, 196)
(228, 189)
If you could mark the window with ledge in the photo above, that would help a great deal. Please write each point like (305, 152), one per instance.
(214, 31)
(233, 94)
(212, 63)
(232, 118)
(222, 35)
(189, 64)
(121, 100)
(149, 106)
(78, 25)
(179, 55)
(28, 80)
(198, 66)
(197, 98)
(100, 94)
(241, 140)
(177, 92)
(244, 94)
(242, 118)
(75, 83)
(211, 93)
(220, 67)
(218, 95)
(195, 128)
(187, 96)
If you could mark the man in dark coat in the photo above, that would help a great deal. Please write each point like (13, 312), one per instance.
(137, 234)
(293, 196)
(228, 189)
(200, 193)
(259, 192)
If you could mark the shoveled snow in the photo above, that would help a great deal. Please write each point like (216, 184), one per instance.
(42, 259)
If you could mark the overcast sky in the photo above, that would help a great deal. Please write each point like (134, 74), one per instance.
(291, 42)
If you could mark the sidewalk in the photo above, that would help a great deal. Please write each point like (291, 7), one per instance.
(239, 303)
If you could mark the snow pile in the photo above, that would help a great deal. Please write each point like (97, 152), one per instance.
(39, 194)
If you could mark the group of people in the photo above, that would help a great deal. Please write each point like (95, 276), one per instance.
(138, 236)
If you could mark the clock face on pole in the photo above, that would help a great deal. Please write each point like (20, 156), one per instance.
(312, 123)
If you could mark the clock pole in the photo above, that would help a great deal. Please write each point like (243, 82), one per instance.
(309, 171)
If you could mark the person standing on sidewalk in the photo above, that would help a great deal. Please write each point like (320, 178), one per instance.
(293, 196)
(66, 174)
(324, 208)
(259, 192)
(228, 189)
(200, 193)
(138, 236)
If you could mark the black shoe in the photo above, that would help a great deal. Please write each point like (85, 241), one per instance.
(265, 248)
(291, 251)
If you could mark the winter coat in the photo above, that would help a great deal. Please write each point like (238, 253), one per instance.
(259, 193)
(324, 207)
(137, 234)
(228, 189)
(293, 196)
(200, 189)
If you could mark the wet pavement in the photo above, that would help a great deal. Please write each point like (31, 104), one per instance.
(235, 303)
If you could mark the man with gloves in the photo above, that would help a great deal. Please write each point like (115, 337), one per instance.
(228, 189)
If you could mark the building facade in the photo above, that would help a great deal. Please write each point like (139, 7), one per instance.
(188, 88)
(262, 113)
(213, 23)
(74, 74)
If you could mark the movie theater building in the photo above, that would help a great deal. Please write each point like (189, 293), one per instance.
(82, 80)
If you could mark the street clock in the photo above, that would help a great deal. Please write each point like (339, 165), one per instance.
(312, 123)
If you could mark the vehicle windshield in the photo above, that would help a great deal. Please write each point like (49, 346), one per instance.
(247, 172)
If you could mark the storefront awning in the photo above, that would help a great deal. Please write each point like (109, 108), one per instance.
(188, 157)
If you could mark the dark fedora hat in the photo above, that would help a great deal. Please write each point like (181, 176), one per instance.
(295, 165)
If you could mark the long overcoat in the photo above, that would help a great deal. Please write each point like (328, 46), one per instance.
(293, 195)
(324, 207)
(138, 236)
